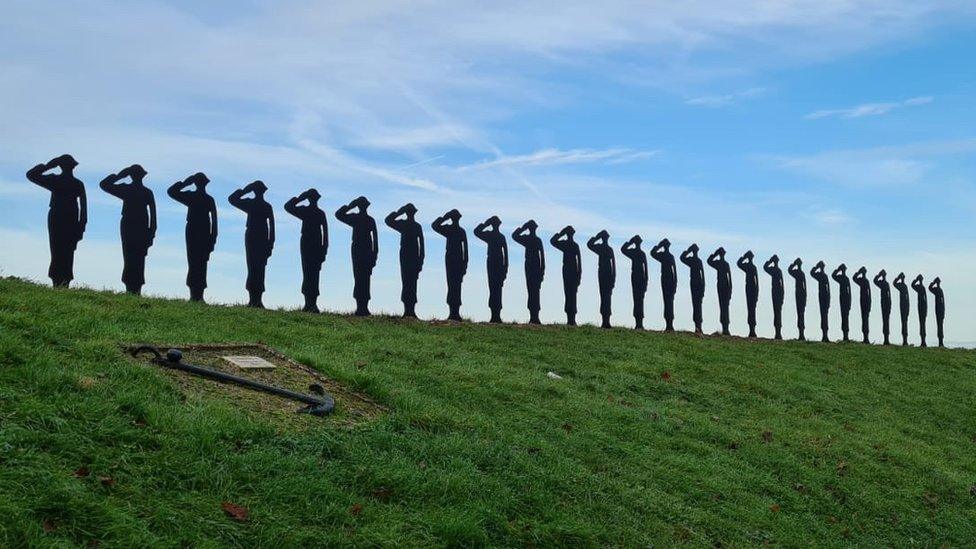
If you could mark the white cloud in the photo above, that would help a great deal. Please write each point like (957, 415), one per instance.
(879, 166)
(725, 99)
(869, 109)
(829, 216)
(546, 157)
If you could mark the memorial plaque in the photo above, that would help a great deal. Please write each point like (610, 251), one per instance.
(249, 362)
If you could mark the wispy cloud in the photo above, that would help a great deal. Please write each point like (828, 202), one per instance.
(869, 109)
(551, 156)
(877, 166)
(725, 100)
(831, 217)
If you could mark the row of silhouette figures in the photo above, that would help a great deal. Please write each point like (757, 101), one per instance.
(67, 220)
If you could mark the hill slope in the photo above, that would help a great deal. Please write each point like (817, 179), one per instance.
(744, 442)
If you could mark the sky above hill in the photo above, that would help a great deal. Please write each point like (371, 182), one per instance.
(840, 130)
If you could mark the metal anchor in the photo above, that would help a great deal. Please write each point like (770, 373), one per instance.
(319, 405)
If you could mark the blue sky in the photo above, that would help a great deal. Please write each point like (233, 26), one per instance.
(835, 130)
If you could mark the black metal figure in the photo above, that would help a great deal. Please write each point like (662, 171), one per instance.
(778, 291)
(606, 272)
(201, 229)
(840, 277)
(67, 215)
(138, 225)
(936, 288)
(535, 265)
(669, 280)
(572, 268)
(455, 258)
(923, 306)
(411, 254)
(497, 262)
(881, 281)
(697, 275)
(638, 276)
(259, 237)
(864, 285)
(823, 292)
(748, 266)
(723, 285)
(314, 243)
(365, 249)
(800, 292)
(904, 305)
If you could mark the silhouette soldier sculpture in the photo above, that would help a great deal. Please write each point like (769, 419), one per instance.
(638, 276)
(259, 237)
(723, 284)
(840, 277)
(697, 284)
(572, 268)
(752, 288)
(669, 280)
(67, 215)
(864, 285)
(823, 291)
(606, 272)
(411, 254)
(497, 262)
(936, 288)
(881, 282)
(314, 243)
(535, 265)
(778, 290)
(201, 229)
(800, 283)
(904, 305)
(138, 224)
(455, 257)
(923, 306)
(365, 248)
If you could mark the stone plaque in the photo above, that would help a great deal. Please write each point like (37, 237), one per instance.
(249, 362)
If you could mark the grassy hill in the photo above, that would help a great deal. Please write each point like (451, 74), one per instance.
(649, 438)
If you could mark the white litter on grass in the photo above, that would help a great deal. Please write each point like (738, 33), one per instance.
(553, 375)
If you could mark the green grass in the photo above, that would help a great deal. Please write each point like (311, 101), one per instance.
(864, 445)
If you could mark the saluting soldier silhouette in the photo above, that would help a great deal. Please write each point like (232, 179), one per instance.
(497, 262)
(535, 265)
(881, 281)
(411, 254)
(606, 272)
(313, 244)
(823, 291)
(364, 249)
(864, 285)
(923, 306)
(800, 293)
(259, 237)
(669, 280)
(201, 229)
(778, 290)
(697, 283)
(138, 224)
(723, 285)
(67, 215)
(455, 257)
(638, 276)
(904, 305)
(936, 288)
(572, 269)
(840, 277)
(748, 266)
